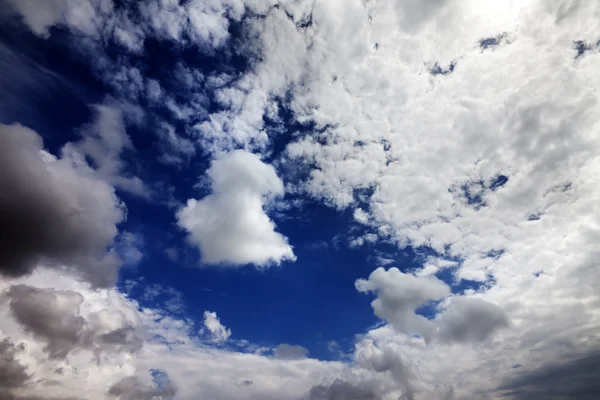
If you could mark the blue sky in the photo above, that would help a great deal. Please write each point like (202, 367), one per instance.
(235, 199)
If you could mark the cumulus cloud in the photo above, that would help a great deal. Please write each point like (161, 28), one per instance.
(290, 352)
(470, 320)
(343, 390)
(103, 142)
(217, 331)
(12, 373)
(131, 388)
(399, 295)
(54, 316)
(195, 368)
(54, 211)
(230, 226)
(491, 164)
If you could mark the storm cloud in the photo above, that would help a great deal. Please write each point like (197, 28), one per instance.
(54, 211)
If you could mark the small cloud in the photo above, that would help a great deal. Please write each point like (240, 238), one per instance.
(290, 352)
(218, 332)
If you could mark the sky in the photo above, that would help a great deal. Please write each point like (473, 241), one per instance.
(299, 199)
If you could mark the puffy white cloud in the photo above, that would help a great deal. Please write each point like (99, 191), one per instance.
(217, 331)
(230, 226)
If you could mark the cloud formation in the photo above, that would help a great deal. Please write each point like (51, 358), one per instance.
(290, 352)
(218, 332)
(399, 295)
(54, 316)
(467, 128)
(230, 226)
(54, 211)
(12, 373)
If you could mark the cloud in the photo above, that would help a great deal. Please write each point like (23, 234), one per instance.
(290, 352)
(230, 226)
(195, 368)
(54, 211)
(50, 315)
(103, 142)
(578, 378)
(470, 320)
(399, 295)
(12, 373)
(219, 333)
(54, 316)
(131, 388)
(342, 390)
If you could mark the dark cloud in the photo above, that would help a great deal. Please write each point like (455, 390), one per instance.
(53, 211)
(131, 388)
(342, 390)
(470, 320)
(12, 373)
(53, 316)
(576, 379)
(7, 395)
(290, 352)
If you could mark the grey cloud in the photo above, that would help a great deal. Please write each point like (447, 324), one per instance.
(49, 314)
(575, 379)
(470, 320)
(53, 211)
(290, 352)
(343, 390)
(399, 295)
(53, 316)
(130, 388)
(8, 395)
(103, 141)
(12, 373)
(413, 13)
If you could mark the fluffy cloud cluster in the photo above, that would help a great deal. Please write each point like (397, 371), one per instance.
(230, 225)
(468, 128)
(399, 295)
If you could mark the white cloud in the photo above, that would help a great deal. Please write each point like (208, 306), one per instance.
(217, 331)
(230, 226)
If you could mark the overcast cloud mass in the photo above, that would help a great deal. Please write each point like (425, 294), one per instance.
(299, 199)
